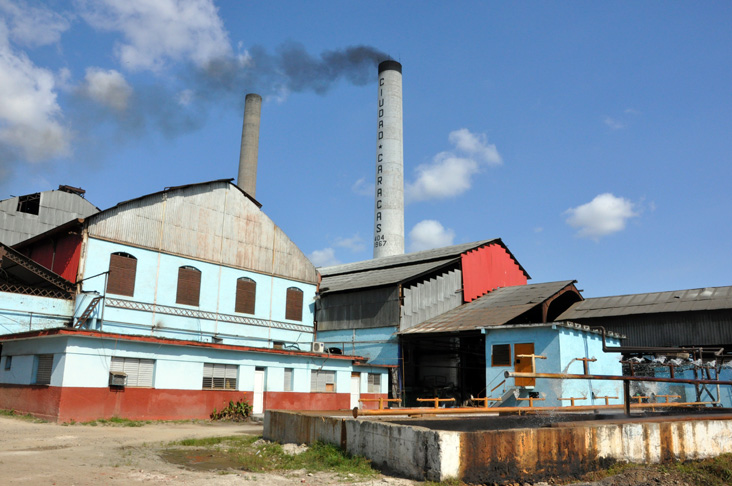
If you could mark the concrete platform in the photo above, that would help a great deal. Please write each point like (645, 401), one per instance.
(490, 448)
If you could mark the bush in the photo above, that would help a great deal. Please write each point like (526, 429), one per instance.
(236, 411)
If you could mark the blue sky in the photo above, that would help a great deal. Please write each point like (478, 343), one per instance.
(594, 138)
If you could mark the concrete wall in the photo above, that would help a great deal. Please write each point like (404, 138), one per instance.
(379, 345)
(497, 456)
(414, 452)
(22, 313)
(156, 285)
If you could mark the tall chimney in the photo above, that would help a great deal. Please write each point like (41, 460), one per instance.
(389, 208)
(247, 180)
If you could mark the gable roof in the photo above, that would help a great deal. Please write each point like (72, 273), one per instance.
(494, 308)
(397, 268)
(708, 298)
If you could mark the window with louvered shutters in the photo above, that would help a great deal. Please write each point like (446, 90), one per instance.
(501, 355)
(322, 381)
(122, 270)
(293, 311)
(45, 367)
(374, 383)
(139, 371)
(246, 293)
(288, 379)
(219, 376)
(189, 286)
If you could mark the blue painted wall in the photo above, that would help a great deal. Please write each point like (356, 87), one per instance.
(379, 345)
(156, 283)
(22, 313)
(562, 347)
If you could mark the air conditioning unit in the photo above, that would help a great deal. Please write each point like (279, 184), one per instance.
(117, 378)
(318, 347)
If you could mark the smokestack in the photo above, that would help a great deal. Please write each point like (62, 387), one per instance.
(389, 208)
(247, 180)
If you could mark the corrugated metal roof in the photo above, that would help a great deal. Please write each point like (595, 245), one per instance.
(379, 277)
(396, 268)
(709, 298)
(406, 259)
(493, 309)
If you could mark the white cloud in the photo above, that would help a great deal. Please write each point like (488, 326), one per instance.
(354, 243)
(429, 234)
(613, 123)
(107, 88)
(33, 26)
(450, 174)
(475, 144)
(30, 117)
(324, 258)
(363, 188)
(160, 31)
(604, 215)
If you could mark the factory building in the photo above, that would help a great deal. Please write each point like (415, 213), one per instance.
(189, 296)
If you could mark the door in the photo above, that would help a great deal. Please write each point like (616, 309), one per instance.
(258, 405)
(524, 365)
(355, 389)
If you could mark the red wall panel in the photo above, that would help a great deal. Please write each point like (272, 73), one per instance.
(60, 255)
(85, 404)
(488, 268)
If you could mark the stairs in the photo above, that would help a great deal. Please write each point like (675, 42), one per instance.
(87, 312)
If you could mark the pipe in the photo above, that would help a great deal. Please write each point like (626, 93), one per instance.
(562, 376)
(247, 179)
(640, 349)
(483, 410)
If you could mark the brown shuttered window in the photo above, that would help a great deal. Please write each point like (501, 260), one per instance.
(246, 292)
(122, 270)
(189, 286)
(44, 369)
(501, 355)
(293, 311)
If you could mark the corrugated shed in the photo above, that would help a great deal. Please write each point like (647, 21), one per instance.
(56, 208)
(493, 309)
(447, 252)
(212, 221)
(378, 307)
(379, 277)
(431, 298)
(708, 298)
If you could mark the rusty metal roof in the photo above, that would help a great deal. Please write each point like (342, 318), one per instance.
(380, 276)
(397, 268)
(493, 309)
(708, 298)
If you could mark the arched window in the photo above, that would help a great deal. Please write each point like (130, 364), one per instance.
(246, 293)
(189, 286)
(293, 309)
(122, 271)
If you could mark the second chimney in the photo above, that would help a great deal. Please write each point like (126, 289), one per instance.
(247, 180)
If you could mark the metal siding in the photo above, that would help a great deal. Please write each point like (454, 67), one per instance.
(56, 208)
(488, 268)
(431, 298)
(368, 308)
(707, 328)
(212, 222)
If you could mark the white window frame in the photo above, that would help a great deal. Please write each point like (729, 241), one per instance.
(139, 371)
(323, 381)
(374, 383)
(217, 376)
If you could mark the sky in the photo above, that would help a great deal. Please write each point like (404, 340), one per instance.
(593, 138)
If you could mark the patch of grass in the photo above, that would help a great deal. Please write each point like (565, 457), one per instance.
(711, 472)
(248, 453)
(21, 415)
(447, 482)
(116, 422)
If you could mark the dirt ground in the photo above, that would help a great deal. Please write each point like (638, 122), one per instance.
(83, 455)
